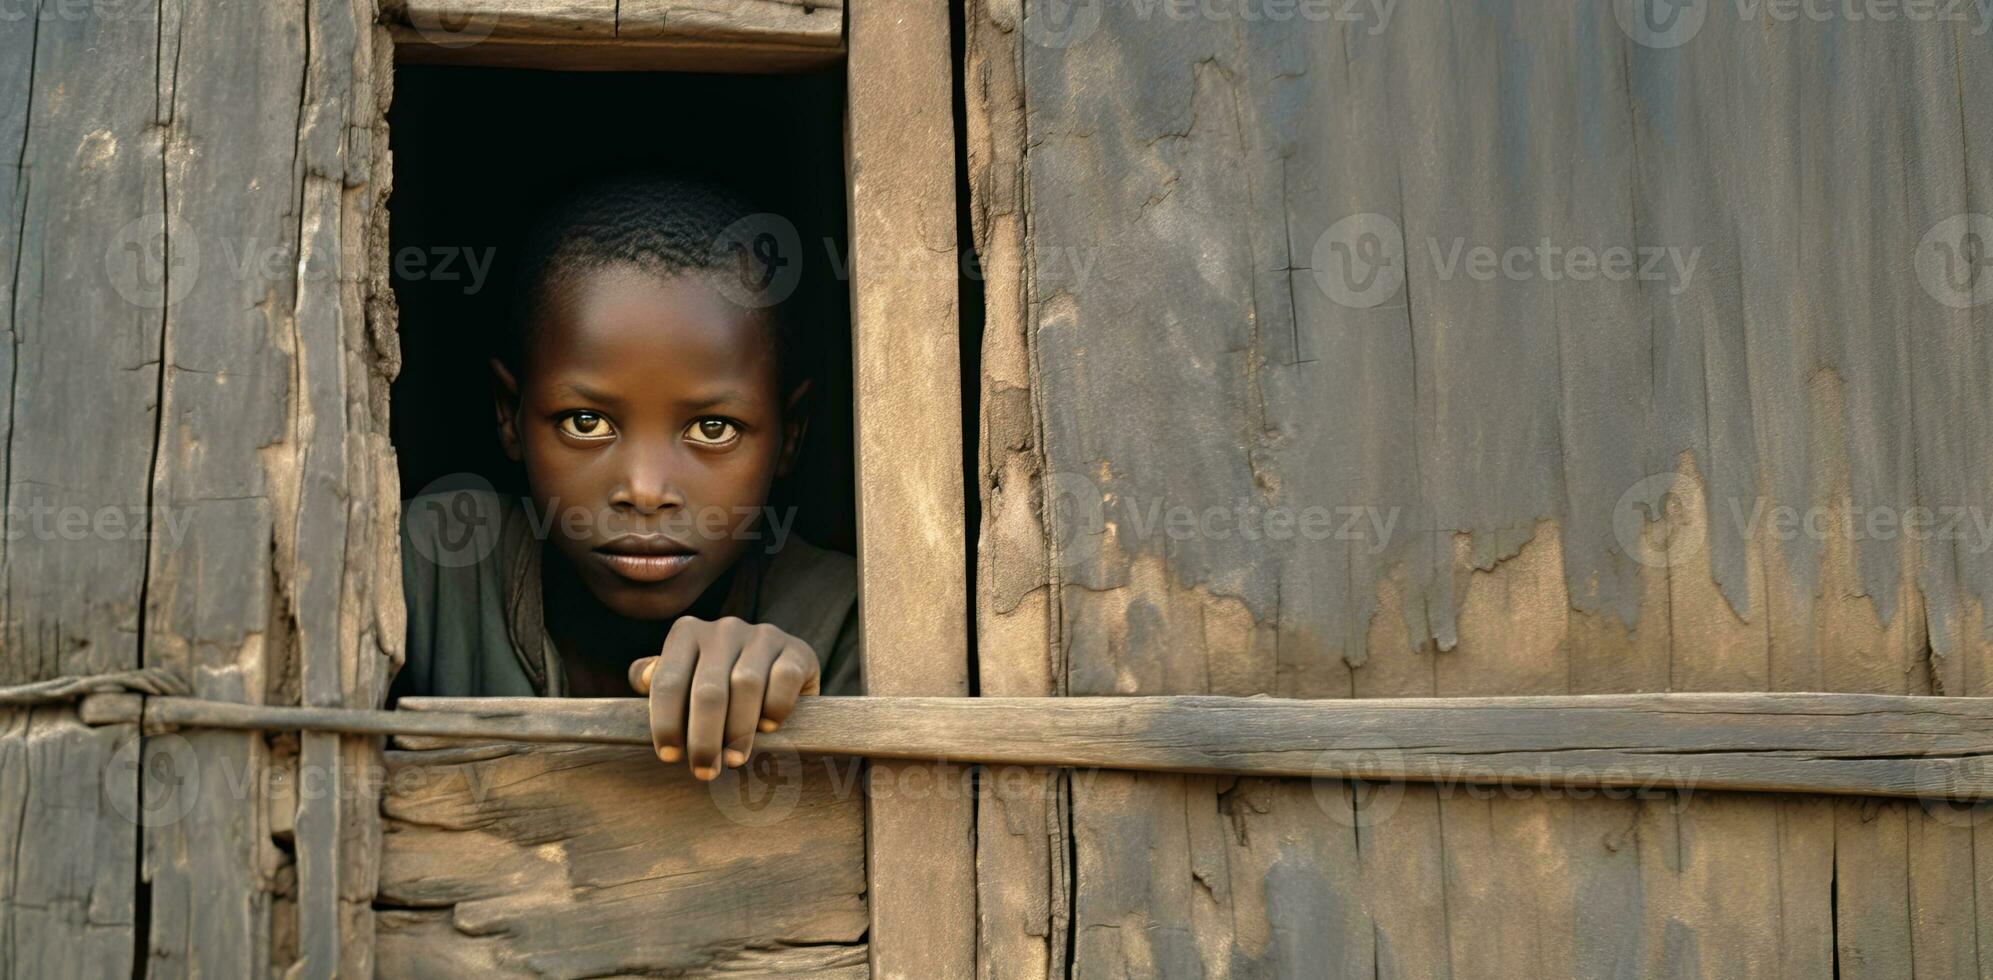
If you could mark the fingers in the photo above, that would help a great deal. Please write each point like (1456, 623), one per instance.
(748, 684)
(640, 671)
(720, 646)
(793, 675)
(715, 683)
(669, 683)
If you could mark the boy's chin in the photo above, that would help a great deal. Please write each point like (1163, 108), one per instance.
(642, 602)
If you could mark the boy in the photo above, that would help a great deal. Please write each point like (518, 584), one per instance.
(652, 396)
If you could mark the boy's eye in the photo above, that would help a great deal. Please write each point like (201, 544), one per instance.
(712, 432)
(587, 425)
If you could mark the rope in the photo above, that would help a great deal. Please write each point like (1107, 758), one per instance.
(145, 680)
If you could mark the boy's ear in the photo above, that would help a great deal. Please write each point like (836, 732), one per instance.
(505, 395)
(795, 424)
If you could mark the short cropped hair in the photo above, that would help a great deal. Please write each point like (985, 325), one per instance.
(664, 226)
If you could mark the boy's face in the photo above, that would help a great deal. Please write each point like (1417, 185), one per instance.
(651, 424)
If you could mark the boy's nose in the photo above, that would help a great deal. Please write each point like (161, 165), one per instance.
(648, 484)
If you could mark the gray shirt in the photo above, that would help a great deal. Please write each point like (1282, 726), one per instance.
(470, 571)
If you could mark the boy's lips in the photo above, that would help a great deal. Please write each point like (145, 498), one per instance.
(645, 558)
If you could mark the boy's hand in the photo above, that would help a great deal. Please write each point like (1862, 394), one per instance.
(716, 684)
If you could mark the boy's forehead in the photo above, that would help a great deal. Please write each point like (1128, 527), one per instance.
(621, 320)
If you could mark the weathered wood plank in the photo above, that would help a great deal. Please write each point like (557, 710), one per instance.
(912, 527)
(339, 478)
(465, 22)
(1874, 745)
(1023, 863)
(1577, 484)
(571, 861)
(638, 54)
(69, 806)
(679, 35)
(84, 273)
(215, 599)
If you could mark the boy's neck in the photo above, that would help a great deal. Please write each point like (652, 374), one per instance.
(595, 643)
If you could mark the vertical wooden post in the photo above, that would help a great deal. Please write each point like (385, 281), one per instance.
(341, 548)
(78, 416)
(913, 591)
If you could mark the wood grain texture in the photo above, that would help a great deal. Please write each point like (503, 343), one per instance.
(608, 35)
(192, 185)
(576, 861)
(1872, 745)
(913, 580)
(639, 54)
(78, 359)
(1531, 485)
(1023, 858)
(215, 598)
(347, 615)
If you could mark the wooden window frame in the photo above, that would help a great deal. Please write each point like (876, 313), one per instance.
(906, 381)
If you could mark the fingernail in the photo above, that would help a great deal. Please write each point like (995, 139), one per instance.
(766, 725)
(734, 757)
(705, 772)
(669, 754)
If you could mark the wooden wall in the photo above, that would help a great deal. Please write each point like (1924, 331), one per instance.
(1528, 485)
(1523, 485)
(195, 460)
(592, 860)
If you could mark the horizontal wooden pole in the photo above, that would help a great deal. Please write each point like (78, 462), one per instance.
(1847, 744)
(620, 35)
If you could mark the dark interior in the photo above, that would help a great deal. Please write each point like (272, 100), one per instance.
(479, 151)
